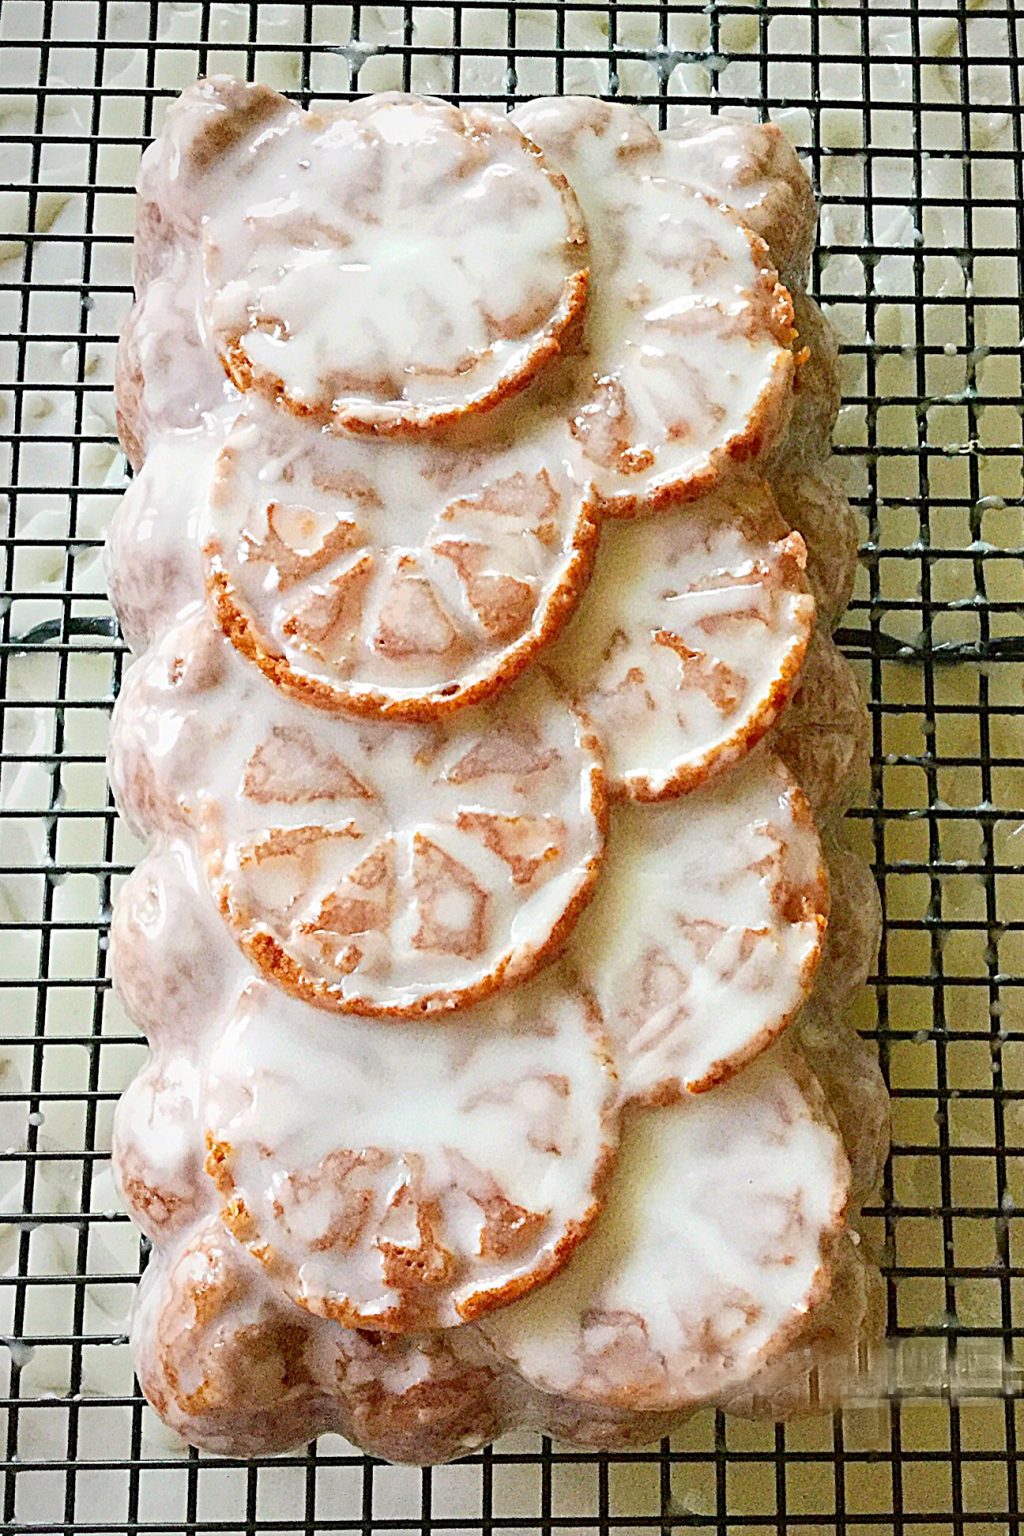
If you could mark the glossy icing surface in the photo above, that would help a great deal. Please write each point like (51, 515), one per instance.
(221, 1348)
(414, 576)
(689, 639)
(365, 866)
(153, 559)
(468, 1179)
(714, 1247)
(358, 265)
(397, 576)
(688, 363)
(392, 1177)
(705, 930)
(752, 168)
(364, 1175)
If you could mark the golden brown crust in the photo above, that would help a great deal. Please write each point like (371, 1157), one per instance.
(240, 109)
(453, 1408)
(823, 735)
(812, 499)
(816, 391)
(220, 1361)
(786, 220)
(856, 923)
(847, 1069)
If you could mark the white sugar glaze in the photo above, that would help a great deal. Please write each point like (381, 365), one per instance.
(401, 576)
(173, 964)
(455, 1168)
(157, 1146)
(360, 864)
(405, 1177)
(178, 974)
(688, 334)
(211, 1324)
(752, 168)
(312, 1124)
(168, 378)
(152, 556)
(436, 597)
(705, 929)
(689, 639)
(357, 262)
(386, 868)
(716, 1242)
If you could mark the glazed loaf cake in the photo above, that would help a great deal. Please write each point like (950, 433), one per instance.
(491, 746)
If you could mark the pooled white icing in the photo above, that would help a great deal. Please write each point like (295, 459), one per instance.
(370, 866)
(318, 1120)
(689, 638)
(362, 261)
(404, 1177)
(398, 574)
(705, 928)
(688, 358)
(712, 1249)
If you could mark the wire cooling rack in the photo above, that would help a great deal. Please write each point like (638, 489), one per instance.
(910, 118)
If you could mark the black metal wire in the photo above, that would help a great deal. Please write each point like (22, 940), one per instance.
(932, 658)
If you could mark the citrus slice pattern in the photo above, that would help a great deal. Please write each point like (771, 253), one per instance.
(690, 639)
(358, 266)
